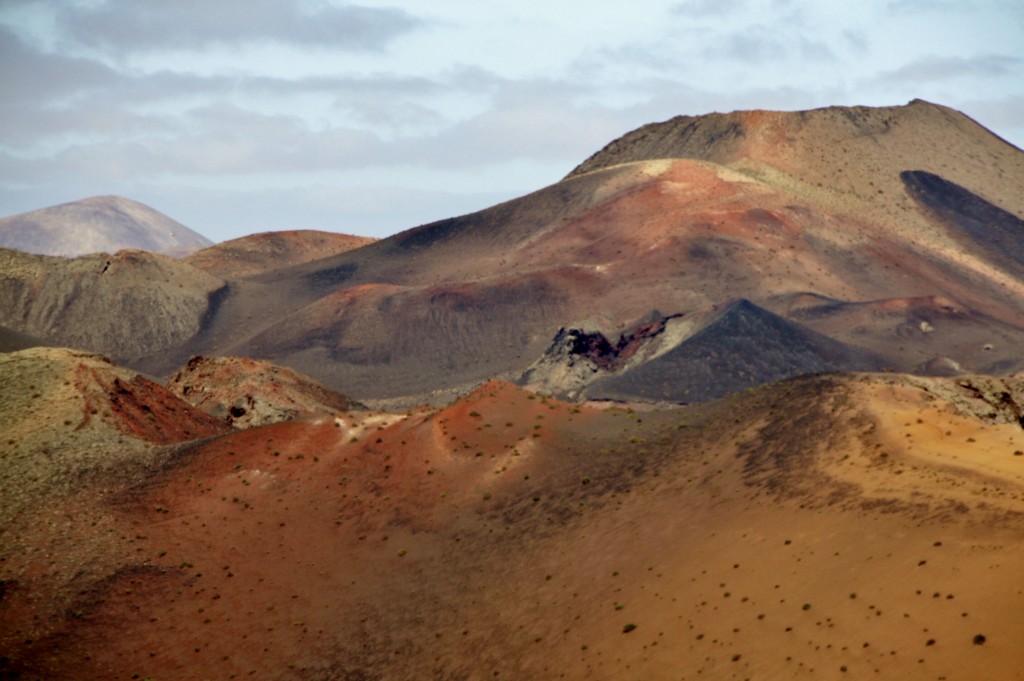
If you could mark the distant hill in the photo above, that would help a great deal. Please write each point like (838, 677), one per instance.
(127, 305)
(98, 224)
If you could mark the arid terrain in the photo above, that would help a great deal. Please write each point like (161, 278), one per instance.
(740, 398)
(831, 527)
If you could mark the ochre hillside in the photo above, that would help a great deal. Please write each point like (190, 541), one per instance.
(828, 527)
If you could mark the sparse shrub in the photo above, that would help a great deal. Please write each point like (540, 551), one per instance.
(979, 639)
(628, 628)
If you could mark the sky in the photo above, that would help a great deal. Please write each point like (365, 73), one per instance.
(241, 116)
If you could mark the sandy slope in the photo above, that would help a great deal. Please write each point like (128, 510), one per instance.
(809, 529)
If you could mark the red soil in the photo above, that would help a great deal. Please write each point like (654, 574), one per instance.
(142, 408)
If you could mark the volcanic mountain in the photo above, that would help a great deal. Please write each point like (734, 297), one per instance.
(821, 204)
(889, 230)
(95, 224)
(68, 415)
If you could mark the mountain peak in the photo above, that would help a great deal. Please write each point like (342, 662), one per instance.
(98, 223)
(768, 136)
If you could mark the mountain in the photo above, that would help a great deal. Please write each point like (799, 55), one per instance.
(128, 305)
(833, 526)
(261, 253)
(786, 204)
(98, 224)
(854, 223)
(854, 155)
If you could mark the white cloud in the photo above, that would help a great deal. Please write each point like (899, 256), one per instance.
(708, 8)
(939, 68)
(118, 26)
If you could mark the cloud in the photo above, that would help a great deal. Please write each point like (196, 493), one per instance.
(44, 96)
(29, 75)
(971, 6)
(28, 129)
(225, 139)
(856, 40)
(120, 26)
(760, 44)
(936, 69)
(1006, 10)
(913, 6)
(707, 8)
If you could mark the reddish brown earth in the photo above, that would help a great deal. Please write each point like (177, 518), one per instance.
(260, 253)
(838, 528)
(245, 392)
